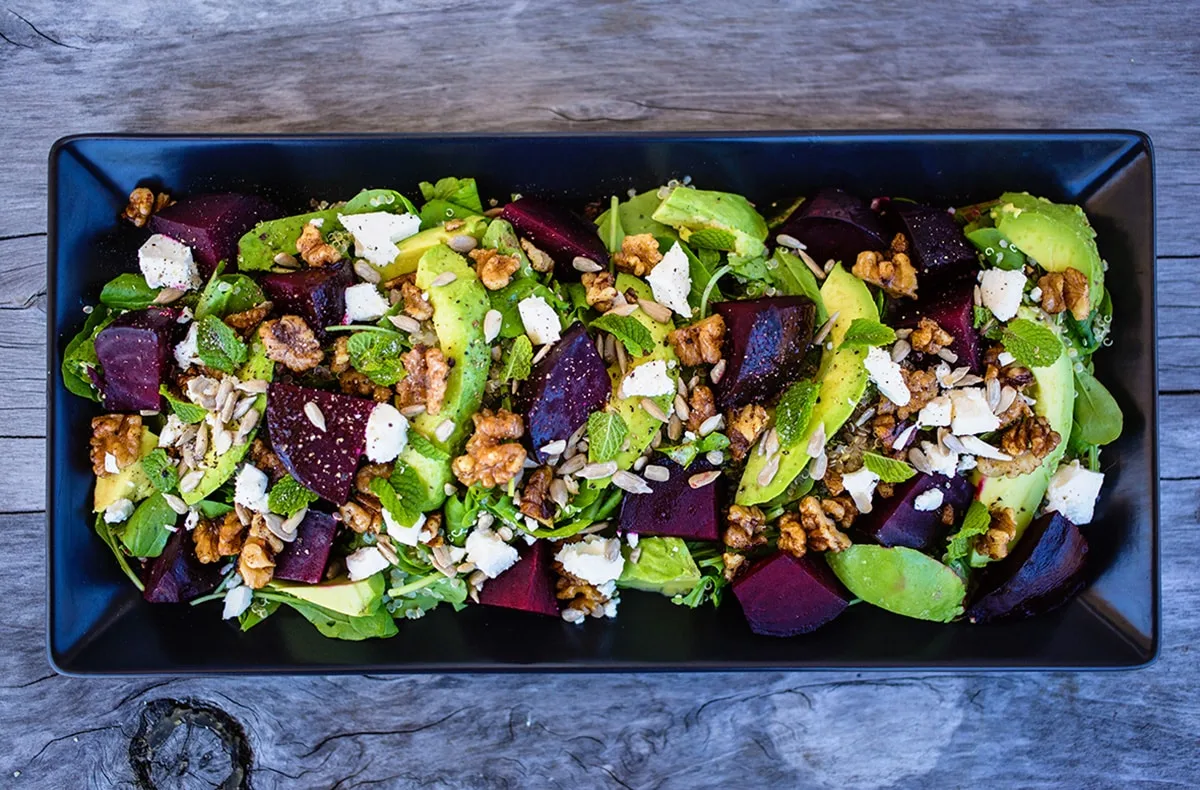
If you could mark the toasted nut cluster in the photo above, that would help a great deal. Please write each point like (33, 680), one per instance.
(256, 562)
(367, 473)
(116, 435)
(820, 518)
(745, 426)
(892, 271)
(1028, 440)
(362, 514)
(792, 537)
(1066, 290)
(490, 459)
(540, 261)
(734, 564)
(638, 255)
(289, 341)
(425, 384)
(886, 425)
(601, 289)
(416, 304)
(339, 355)
(359, 385)
(247, 320)
(700, 342)
(994, 542)
(217, 538)
(142, 204)
(267, 462)
(535, 497)
(313, 248)
(578, 594)
(495, 270)
(929, 337)
(204, 539)
(745, 527)
(702, 405)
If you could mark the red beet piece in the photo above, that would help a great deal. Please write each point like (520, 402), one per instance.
(1047, 567)
(951, 303)
(767, 341)
(323, 461)
(895, 521)
(136, 353)
(176, 576)
(212, 224)
(316, 295)
(305, 558)
(528, 585)
(785, 596)
(558, 232)
(835, 224)
(675, 509)
(563, 388)
(937, 244)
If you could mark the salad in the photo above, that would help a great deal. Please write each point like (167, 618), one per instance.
(378, 407)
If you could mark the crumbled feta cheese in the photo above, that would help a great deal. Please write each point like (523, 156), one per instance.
(364, 303)
(980, 448)
(118, 511)
(167, 263)
(387, 433)
(375, 234)
(671, 281)
(1001, 291)
(489, 553)
(237, 601)
(649, 380)
(860, 486)
(941, 461)
(193, 518)
(594, 559)
(967, 463)
(187, 352)
(971, 413)
(1035, 294)
(110, 464)
(539, 319)
(887, 376)
(936, 413)
(410, 535)
(1073, 491)
(1004, 359)
(250, 488)
(929, 500)
(365, 562)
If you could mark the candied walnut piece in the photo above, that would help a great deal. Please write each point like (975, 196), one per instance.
(231, 534)
(734, 564)
(425, 384)
(994, 542)
(1053, 300)
(205, 538)
(638, 255)
(339, 361)
(896, 275)
(370, 472)
(833, 481)
(314, 250)
(540, 261)
(354, 383)
(247, 320)
(822, 533)
(842, 510)
(289, 341)
(948, 515)
(256, 563)
(578, 594)
(745, 426)
(701, 406)
(922, 387)
(415, 302)
(700, 342)
(359, 516)
(929, 338)
(601, 289)
(535, 497)
(745, 527)
(495, 270)
(899, 244)
(1076, 293)
(792, 537)
(142, 204)
(267, 462)
(116, 435)
(490, 460)
(1028, 441)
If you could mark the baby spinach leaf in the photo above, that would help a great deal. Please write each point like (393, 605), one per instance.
(417, 596)
(370, 200)
(703, 266)
(210, 509)
(900, 580)
(105, 531)
(145, 533)
(260, 609)
(793, 278)
(218, 346)
(505, 302)
(460, 191)
(226, 294)
(1097, 418)
(996, 250)
(632, 333)
(889, 470)
(128, 291)
(80, 355)
(376, 624)
(606, 433)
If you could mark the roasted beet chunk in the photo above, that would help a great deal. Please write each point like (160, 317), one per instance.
(836, 225)
(135, 353)
(896, 521)
(212, 224)
(785, 596)
(1047, 567)
(528, 585)
(563, 388)
(316, 295)
(767, 341)
(952, 305)
(675, 509)
(176, 575)
(558, 232)
(304, 559)
(937, 244)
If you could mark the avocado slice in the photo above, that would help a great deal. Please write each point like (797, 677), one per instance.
(458, 311)
(843, 380)
(717, 220)
(130, 483)
(430, 467)
(664, 565)
(414, 247)
(353, 599)
(1055, 235)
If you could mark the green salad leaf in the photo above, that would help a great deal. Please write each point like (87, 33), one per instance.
(161, 470)
(794, 411)
(378, 355)
(866, 332)
(980, 315)
(370, 200)
(288, 497)
(105, 531)
(260, 609)
(505, 302)
(713, 239)
(186, 411)
(606, 433)
(793, 278)
(145, 533)
(226, 294)
(80, 355)
(128, 291)
(889, 470)
(402, 508)
(1097, 417)
(218, 346)
(414, 597)
(975, 522)
(1033, 344)
(518, 363)
(610, 227)
(712, 581)
(632, 333)
(459, 191)
(376, 624)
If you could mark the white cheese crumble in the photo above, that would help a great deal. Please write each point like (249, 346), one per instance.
(1001, 291)
(365, 562)
(648, 380)
(250, 488)
(375, 234)
(187, 352)
(539, 319)
(1005, 359)
(594, 559)
(971, 413)
(671, 281)
(364, 303)
(237, 601)
(929, 500)
(1073, 491)
(167, 263)
(860, 486)
(171, 431)
(110, 464)
(409, 536)
(887, 376)
(387, 433)
(120, 510)
(936, 413)
(489, 553)
(941, 461)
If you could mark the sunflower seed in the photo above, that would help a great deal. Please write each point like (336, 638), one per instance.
(388, 552)
(816, 443)
(1008, 396)
(175, 503)
(715, 457)
(445, 278)
(969, 380)
(674, 428)
(313, 412)
(573, 464)
(718, 370)
(291, 524)
(622, 359)
(538, 357)
(190, 481)
(953, 443)
(231, 404)
(681, 407)
(243, 514)
(627, 481)
(948, 355)
(254, 386)
(405, 323)
(919, 461)
(597, 471)
(248, 423)
(492, 322)
(168, 295)
(462, 243)
(582, 264)
(275, 527)
(485, 520)
(655, 440)
(771, 442)
(367, 273)
(243, 406)
(826, 328)
(992, 389)
(791, 242)
(704, 478)
(978, 447)
(222, 440)
(622, 309)
(640, 462)
(812, 265)
(659, 474)
(200, 447)
(577, 437)
(681, 387)
(819, 466)
(558, 492)
(659, 312)
(224, 391)
(905, 437)
(414, 410)
(286, 261)
(654, 410)
(711, 424)
(554, 448)
(900, 351)
(572, 485)
(444, 430)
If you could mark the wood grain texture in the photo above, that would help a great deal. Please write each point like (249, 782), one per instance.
(372, 65)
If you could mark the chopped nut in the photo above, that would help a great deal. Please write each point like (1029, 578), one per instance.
(267, 462)
(415, 303)
(1066, 290)
(313, 249)
(700, 342)
(601, 289)
(745, 426)
(360, 517)
(833, 481)
(289, 341)
(822, 533)
(540, 261)
(885, 490)
(142, 204)
(948, 515)
(792, 537)
(579, 595)
(231, 534)
(745, 527)
(842, 510)
(425, 384)
(118, 435)
(495, 270)
(205, 538)
(248, 319)
(369, 472)
(734, 563)
(639, 254)
(929, 338)
(354, 383)
(702, 407)
(896, 275)
(535, 496)
(256, 563)
(994, 542)
(1028, 441)
(490, 460)
(340, 361)
(899, 244)
(922, 387)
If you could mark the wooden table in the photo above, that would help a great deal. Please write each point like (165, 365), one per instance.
(371, 65)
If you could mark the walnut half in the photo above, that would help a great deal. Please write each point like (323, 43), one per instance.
(490, 460)
(700, 342)
(289, 341)
(892, 271)
(116, 442)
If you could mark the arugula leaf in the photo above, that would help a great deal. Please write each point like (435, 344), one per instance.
(1033, 345)
(288, 497)
(228, 294)
(793, 278)
(376, 624)
(218, 346)
(260, 609)
(369, 200)
(128, 291)
(1097, 417)
(104, 530)
(794, 411)
(866, 332)
(161, 470)
(606, 433)
(145, 533)
(186, 411)
(377, 355)
(975, 522)
(632, 333)
(460, 191)
(416, 597)
(519, 361)
(889, 470)
(80, 355)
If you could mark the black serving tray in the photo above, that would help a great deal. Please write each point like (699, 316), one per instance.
(98, 624)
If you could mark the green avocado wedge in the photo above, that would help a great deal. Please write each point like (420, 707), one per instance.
(901, 580)
(722, 219)
(664, 565)
(130, 483)
(353, 599)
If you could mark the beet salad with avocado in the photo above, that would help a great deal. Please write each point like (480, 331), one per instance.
(381, 406)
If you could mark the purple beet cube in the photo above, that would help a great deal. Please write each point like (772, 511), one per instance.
(305, 558)
(316, 295)
(558, 232)
(176, 576)
(675, 509)
(937, 244)
(135, 353)
(895, 521)
(785, 596)
(528, 585)
(952, 304)
(322, 460)
(767, 341)
(212, 224)
(836, 225)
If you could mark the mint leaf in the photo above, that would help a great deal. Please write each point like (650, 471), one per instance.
(415, 494)
(976, 522)
(682, 454)
(128, 292)
(427, 448)
(186, 411)
(1033, 344)
(161, 470)
(519, 361)
(145, 533)
(377, 355)
(889, 470)
(794, 411)
(218, 346)
(865, 332)
(980, 315)
(632, 333)
(400, 510)
(712, 239)
(606, 433)
(79, 356)
(288, 497)
(714, 441)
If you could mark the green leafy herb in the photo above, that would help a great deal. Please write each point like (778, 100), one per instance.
(427, 448)
(606, 433)
(218, 346)
(460, 514)
(1033, 344)
(712, 239)
(1097, 418)
(401, 509)
(712, 580)
(996, 250)
(210, 509)
(792, 277)
(408, 485)
(186, 411)
(104, 530)
(260, 609)
(519, 361)
(900, 580)
(460, 191)
(714, 441)
(377, 623)
(794, 411)
(889, 470)
(506, 301)
(226, 294)
(378, 355)
(702, 266)
(632, 333)
(161, 470)
(980, 315)
(80, 355)
(145, 533)
(417, 596)
(975, 522)
(370, 200)
(288, 497)
(866, 332)
(128, 291)
(682, 454)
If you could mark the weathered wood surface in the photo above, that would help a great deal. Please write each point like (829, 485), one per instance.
(371, 65)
